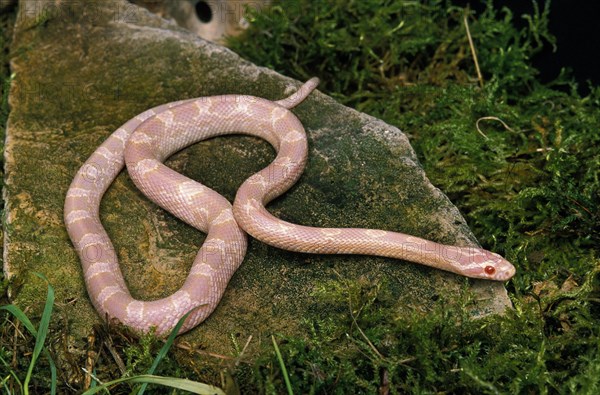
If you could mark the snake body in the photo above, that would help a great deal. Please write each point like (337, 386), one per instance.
(145, 141)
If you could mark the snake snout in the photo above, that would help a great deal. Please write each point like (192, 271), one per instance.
(507, 273)
(504, 269)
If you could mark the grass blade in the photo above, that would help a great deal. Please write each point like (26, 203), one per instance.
(41, 333)
(165, 349)
(19, 315)
(182, 384)
(286, 378)
(12, 373)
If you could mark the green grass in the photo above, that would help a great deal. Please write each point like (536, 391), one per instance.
(520, 160)
(39, 334)
(12, 382)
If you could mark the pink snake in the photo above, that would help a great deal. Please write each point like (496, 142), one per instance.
(145, 141)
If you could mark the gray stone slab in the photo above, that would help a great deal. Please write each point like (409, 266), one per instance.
(82, 69)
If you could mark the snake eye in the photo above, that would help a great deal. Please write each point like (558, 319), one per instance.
(489, 270)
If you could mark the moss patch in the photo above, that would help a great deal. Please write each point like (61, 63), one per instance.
(519, 158)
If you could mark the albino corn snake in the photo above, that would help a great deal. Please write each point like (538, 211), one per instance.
(145, 141)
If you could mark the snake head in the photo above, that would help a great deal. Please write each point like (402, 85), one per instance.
(479, 263)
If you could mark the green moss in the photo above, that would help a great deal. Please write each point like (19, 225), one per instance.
(517, 157)
(370, 345)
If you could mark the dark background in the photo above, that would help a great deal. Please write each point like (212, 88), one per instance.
(576, 26)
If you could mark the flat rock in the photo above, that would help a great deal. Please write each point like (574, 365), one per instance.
(83, 69)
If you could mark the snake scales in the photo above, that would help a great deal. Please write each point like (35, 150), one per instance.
(145, 141)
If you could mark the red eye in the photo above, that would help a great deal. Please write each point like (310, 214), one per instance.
(489, 270)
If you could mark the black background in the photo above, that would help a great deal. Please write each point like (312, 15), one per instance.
(576, 26)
